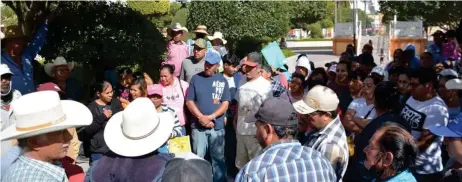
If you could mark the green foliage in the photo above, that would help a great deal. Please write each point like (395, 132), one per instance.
(241, 21)
(288, 53)
(316, 30)
(150, 7)
(347, 16)
(433, 13)
(95, 34)
(327, 23)
(181, 16)
(307, 12)
(8, 16)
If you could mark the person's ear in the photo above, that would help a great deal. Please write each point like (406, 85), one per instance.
(387, 160)
(268, 131)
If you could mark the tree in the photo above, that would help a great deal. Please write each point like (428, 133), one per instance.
(307, 12)
(445, 14)
(30, 13)
(242, 21)
(8, 16)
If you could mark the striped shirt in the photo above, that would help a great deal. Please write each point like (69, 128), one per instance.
(27, 169)
(331, 141)
(287, 161)
(176, 127)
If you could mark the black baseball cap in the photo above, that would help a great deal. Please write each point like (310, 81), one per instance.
(275, 111)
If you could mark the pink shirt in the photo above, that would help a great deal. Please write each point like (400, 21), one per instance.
(450, 50)
(177, 52)
(174, 98)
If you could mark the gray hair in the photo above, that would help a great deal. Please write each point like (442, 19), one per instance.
(255, 57)
(267, 68)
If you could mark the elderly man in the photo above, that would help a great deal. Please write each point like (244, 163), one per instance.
(19, 55)
(41, 121)
(60, 71)
(318, 110)
(284, 158)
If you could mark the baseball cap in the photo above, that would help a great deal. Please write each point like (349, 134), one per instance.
(454, 84)
(212, 58)
(453, 129)
(155, 89)
(276, 111)
(319, 98)
(49, 86)
(202, 43)
(449, 72)
(253, 59)
(378, 70)
(187, 167)
(4, 69)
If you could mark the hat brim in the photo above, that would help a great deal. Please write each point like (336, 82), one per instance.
(77, 115)
(443, 131)
(201, 31)
(454, 84)
(250, 63)
(120, 144)
(213, 38)
(49, 67)
(302, 108)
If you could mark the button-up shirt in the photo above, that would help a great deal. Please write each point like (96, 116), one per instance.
(23, 77)
(177, 52)
(27, 169)
(277, 88)
(287, 161)
(331, 141)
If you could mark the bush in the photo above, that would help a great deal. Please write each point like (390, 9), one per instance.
(288, 53)
(326, 23)
(316, 30)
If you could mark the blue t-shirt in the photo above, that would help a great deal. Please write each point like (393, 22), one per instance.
(208, 93)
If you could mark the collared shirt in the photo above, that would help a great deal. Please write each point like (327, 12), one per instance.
(277, 88)
(331, 141)
(287, 161)
(176, 127)
(27, 169)
(23, 77)
(177, 52)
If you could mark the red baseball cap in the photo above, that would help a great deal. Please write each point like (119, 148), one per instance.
(49, 86)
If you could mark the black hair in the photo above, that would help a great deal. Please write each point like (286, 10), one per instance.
(285, 132)
(311, 82)
(98, 87)
(459, 33)
(267, 68)
(427, 75)
(407, 72)
(375, 78)
(451, 33)
(396, 70)
(366, 59)
(169, 67)
(124, 72)
(386, 96)
(138, 75)
(231, 59)
(429, 53)
(348, 64)
(142, 83)
(354, 75)
(301, 77)
(394, 52)
(396, 140)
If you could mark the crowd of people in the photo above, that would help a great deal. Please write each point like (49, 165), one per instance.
(351, 120)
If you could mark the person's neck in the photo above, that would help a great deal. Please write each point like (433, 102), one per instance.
(297, 93)
(453, 103)
(177, 41)
(171, 83)
(8, 97)
(159, 108)
(228, 75)
(100, 102)
(40, 157)
(379, 112)
(341, 82)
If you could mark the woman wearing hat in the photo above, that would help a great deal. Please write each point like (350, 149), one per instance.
(133, 136)
(59, 70)
(177, 48)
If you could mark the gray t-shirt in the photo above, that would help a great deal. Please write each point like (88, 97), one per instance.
(190, 67)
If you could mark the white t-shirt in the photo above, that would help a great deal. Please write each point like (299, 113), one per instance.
(362, 109)
(422, 115)
(250, 96)
(230, 80)
(5, 112)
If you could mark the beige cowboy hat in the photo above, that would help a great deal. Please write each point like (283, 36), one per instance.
(217, 35)
(176, 27)
(43, 112)
(138, 130)
(201, 29)
(59, 61)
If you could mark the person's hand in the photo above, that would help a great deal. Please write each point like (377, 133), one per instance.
(107, 113)
(204, 120)
(210, 125)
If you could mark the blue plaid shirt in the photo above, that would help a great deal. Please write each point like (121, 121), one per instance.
(277, 88)
(27, 169)
(287, 161)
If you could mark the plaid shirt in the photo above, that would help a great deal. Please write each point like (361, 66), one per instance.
(331, 141)
(277, 88)
(27, 169)
(176, 127)
(287, 161)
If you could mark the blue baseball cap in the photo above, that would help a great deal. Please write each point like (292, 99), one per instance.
(212, 57)
(453, 129)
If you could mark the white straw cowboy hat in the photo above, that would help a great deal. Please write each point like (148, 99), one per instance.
(217, 35)
(138, 130)
(43, 112)
(176, 27)
(4, 69)
(201, 29)
(59, 61)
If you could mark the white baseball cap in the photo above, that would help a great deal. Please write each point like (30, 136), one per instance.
(454, 84)
(449, 72)
(319, 98)
(333, 68)
(4, 69)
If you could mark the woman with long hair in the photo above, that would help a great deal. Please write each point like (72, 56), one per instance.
(138, 88)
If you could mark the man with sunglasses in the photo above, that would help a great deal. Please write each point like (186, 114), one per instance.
(422, 110)
(283, 158)
(8, 95)
(317, 110)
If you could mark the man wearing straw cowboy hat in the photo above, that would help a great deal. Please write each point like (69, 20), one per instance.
(133, 136)
(41, 122)
(177, 48)
(18, 55)
(218, 43)
(60, 71)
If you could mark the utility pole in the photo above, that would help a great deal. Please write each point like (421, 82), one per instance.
(355, 23)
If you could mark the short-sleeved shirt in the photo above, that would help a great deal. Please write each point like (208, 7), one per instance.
(362, 109)
(250, 96)
(190, 67)
(422, 115)
(27, 169)
(208, 93)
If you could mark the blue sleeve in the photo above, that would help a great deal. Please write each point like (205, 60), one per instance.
(37, 42)
(192, 89)
(9, 158)
(226, 92)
